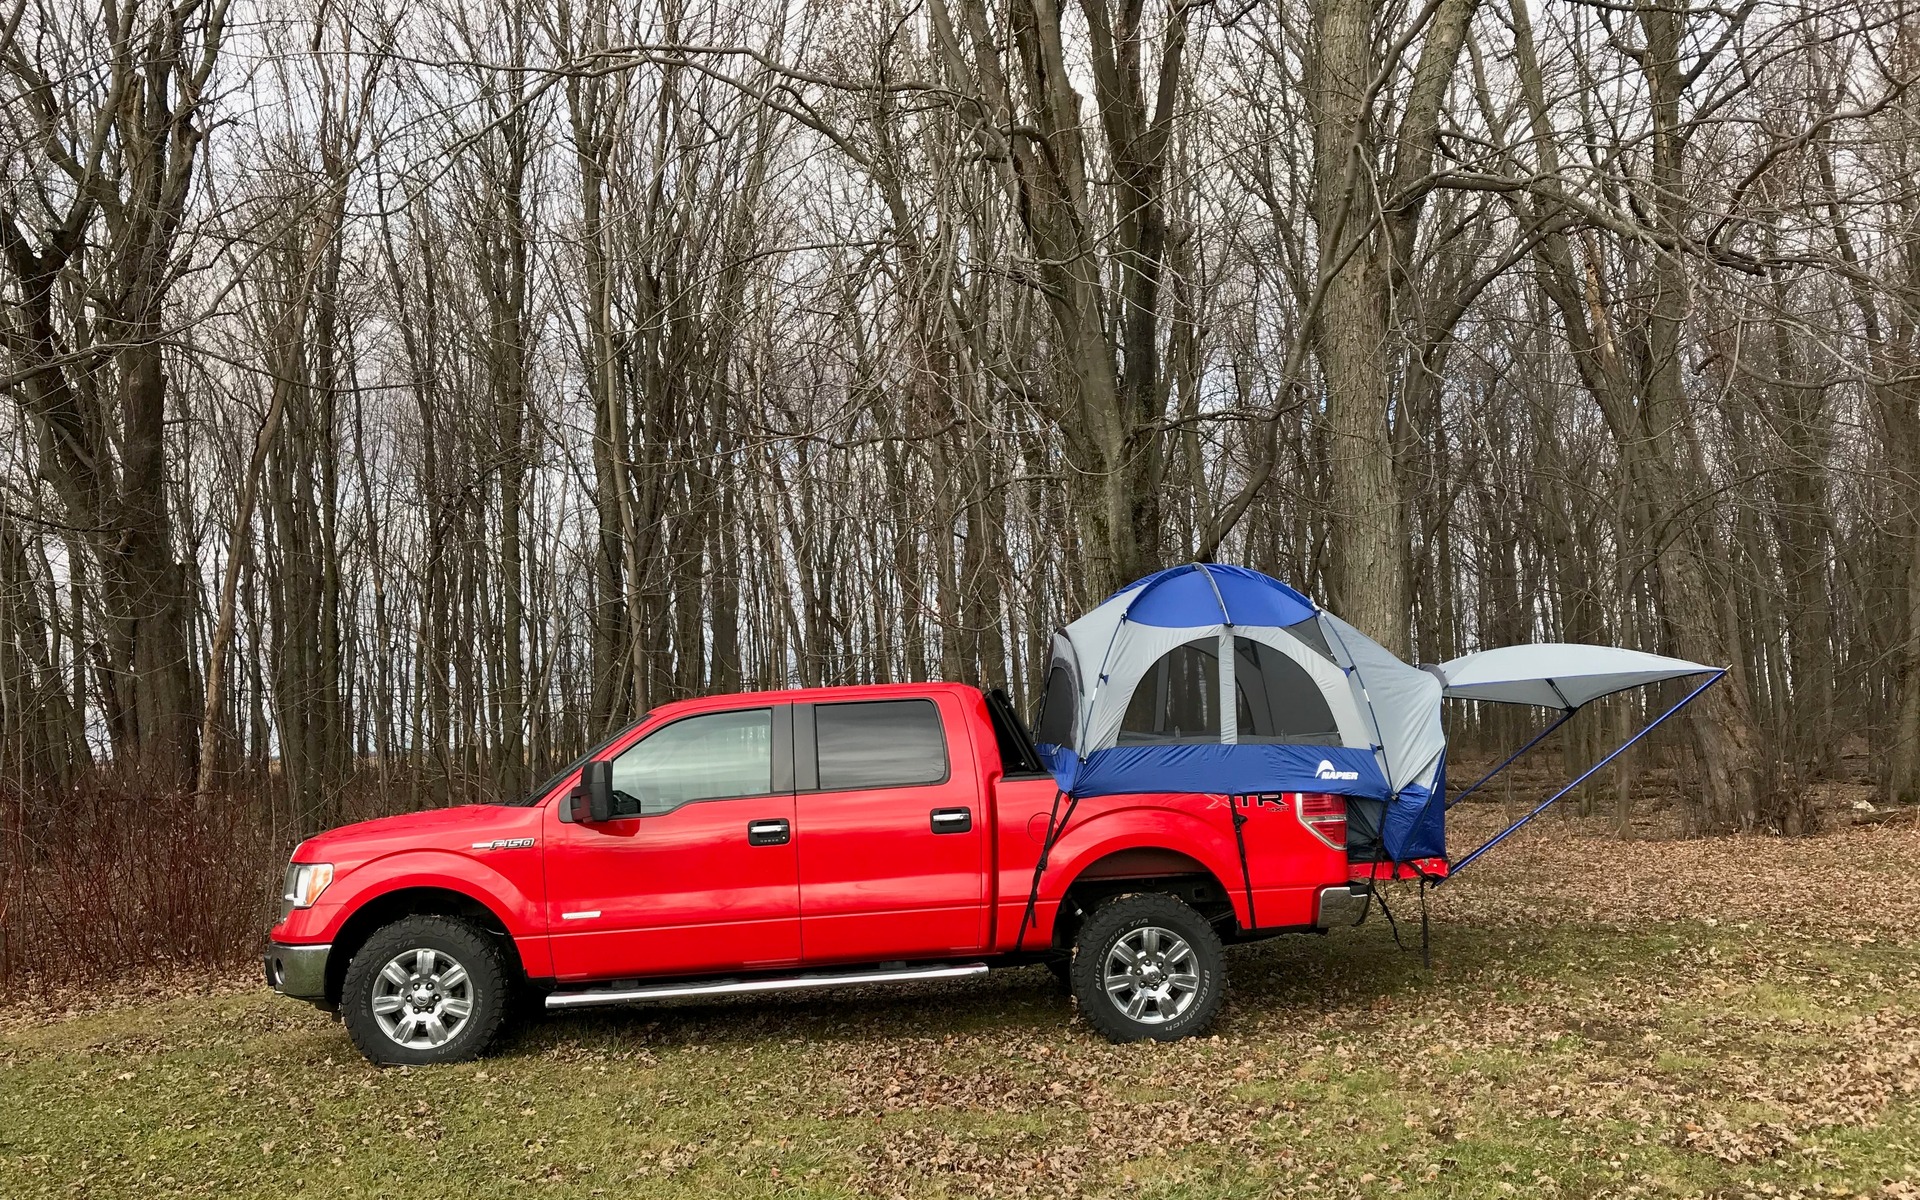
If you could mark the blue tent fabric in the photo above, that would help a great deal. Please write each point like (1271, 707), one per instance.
(1193, 594)
(1416, 823)
(1238, 770)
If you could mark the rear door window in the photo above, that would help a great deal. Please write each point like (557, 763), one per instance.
(879, 744)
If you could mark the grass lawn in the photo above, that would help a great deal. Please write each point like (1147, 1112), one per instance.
(1731, 1017)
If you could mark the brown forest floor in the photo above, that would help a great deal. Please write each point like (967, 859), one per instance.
(1605, 1017)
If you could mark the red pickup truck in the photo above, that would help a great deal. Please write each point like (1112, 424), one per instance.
(801, 839)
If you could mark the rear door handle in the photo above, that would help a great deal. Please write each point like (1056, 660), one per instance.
(768, 833)
(952, 820)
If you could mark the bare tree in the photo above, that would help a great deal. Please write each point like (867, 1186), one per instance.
(491, 371)
(106, 113)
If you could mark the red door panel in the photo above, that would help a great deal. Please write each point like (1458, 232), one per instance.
(876, 881)
(698, 871)
(673, 894)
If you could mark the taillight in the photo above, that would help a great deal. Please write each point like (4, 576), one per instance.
(1324, 816)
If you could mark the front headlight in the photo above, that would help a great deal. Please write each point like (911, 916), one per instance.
(305, 882)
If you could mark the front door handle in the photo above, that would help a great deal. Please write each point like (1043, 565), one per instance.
(952, 820)
(768, 833)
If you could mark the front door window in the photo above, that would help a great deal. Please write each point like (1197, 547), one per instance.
(711, 757)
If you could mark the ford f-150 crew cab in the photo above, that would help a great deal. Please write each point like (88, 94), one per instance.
(799, 839)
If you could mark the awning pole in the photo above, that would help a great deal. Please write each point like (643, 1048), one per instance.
(1502, 836)
(1565, 716)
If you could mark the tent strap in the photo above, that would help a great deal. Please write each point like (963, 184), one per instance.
(1054, 829)
(1426, 936)
(1565, 716)
(1240, 839)
(1502, 836)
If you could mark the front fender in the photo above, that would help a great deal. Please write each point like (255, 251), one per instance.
(514, 902)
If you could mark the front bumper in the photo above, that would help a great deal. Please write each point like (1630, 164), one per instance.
(298, 971)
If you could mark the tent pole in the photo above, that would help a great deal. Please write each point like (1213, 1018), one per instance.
(1565, 716)
(1502, 836)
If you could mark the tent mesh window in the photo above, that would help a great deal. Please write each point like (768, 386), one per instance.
(1178, 699)
(1279, 701)
(1058, 703)
(1309, 631)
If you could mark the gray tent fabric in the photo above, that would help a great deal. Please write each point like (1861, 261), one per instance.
(1561, 675)
(1404, 702)
(1110, 655)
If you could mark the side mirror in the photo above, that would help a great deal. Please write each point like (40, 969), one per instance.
(592, 800)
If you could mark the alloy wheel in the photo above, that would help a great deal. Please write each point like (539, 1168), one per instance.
(1151, 975)
(422, 998)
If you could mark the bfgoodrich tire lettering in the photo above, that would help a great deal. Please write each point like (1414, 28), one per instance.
(1148, 967)
(426, 990)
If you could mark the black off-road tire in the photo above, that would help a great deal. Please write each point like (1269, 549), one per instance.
(1195, 952)
(487, 990)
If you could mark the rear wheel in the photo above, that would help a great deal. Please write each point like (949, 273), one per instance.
(1147, 967)
(426, 990)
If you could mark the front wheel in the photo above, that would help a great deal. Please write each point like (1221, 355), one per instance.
(425, 990)
(1148, 967)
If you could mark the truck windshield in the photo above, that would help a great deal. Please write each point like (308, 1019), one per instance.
(536, 795)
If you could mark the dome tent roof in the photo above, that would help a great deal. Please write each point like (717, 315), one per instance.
(1191, 594)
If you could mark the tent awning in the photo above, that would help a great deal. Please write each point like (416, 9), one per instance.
(1558, 675)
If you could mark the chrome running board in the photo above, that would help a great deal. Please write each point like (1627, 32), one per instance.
(734, 987)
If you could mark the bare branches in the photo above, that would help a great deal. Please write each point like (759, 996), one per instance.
(421, 392)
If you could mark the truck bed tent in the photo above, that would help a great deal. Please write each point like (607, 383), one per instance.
(1217, 679)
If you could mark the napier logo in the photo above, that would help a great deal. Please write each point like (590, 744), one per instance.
(1327, 771)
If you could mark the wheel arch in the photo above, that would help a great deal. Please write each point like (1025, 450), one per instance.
(1156, 850)
(377, 912)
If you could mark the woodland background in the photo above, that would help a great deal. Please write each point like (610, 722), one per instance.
(398, 396)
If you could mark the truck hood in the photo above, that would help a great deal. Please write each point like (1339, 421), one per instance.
(433, 829)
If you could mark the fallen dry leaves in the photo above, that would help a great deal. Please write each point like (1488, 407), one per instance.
(1731, 1016)
(1622, 1051)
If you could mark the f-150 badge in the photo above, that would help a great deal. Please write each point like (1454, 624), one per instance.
(504, 844)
